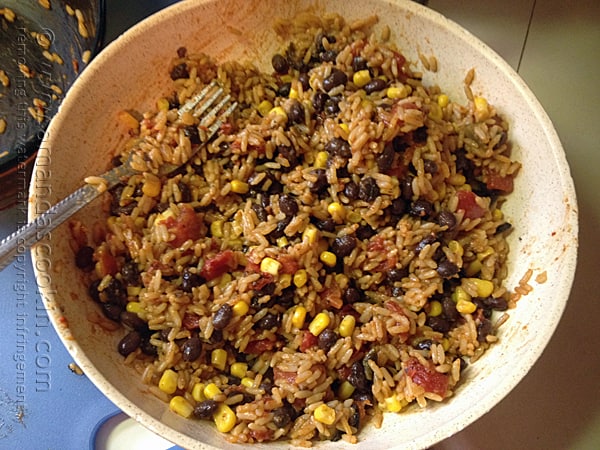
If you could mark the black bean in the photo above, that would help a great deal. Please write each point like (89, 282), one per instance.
(190, 280)
(296, 112)
(260, 211)
(439, 324)
(357, 377)
(420, 135)
(502, 141)
(286, 298)
(423, 344)
(421, 208)
(396, 274)
(484, 328)
(447, 269)
(319, 100)
(326, 339)
(284, 90)
(336, 78)
(326, 225)
(303, 79)
(343, 245)
(323, 37)
(115, 292)
(84, 259)
(351, 190)
(359, 63)
(446, 219)
(205, 409)
(191, 349)
(275, 186)
(499, 303)
(222, 317)
(430, 166)
(283, 415)
(406, 190)
(288, 205)
(376, 84)
(503, 227)
(339, 147)
(328, 55)
(320, 184)
(279, 230)
(351, 295)
(191, 131)
(398, 207)
(216, 337)
(386, 158)
(147, 348)
(354, 419)
(280, 64)
(93, 290)
(266, 288)
(365, 231)
(179, 71)
(368, 190)
(332, 106)
(133, 321)
(112, 310)
(427, 240)
(129, 343)
(341, 172)
(130, 273)
(268, 321)
(449, 309)
(370, 356)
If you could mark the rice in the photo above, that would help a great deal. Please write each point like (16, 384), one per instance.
(335, 253)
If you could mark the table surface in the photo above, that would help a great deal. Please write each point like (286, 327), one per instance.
(555, 47)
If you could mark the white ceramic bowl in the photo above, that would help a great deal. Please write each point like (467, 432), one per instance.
(129, 73)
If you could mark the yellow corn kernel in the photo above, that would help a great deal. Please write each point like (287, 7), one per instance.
(361, 78)
(395, 92)
(456, 248)
(286, 78)
(187, 118)
(300, 278)
(435, 308)
(247, 382)
(484, 287)
(319, 323)
(238, 369)
(285, 280)
(181, 406)
(225, 280)
(128, 120)
(465, 307)
(298, 316)
(321, 160)
(473, 268)
(134, 307)
(443, 100)
(162, 104)
(392, 404)
(324, 414)
(282, 241)
(239, 187)
(152, 185)
(457, 179)
(211, 390)
(460, 294)
(133, 291)
(310, 234)
(168, 381)
(293, 93)
(337, 211)
(484, 254)
(198, 392)
(240, 308)
(278, 111)
(224, 418)
(481, 110)
(346, 390)
(270, 265)
(446, 344)
(218, 358)
(497, 214)
(435, 112)
(264, 107)
(345, 128)
(347, 326)
(216, 228)
(353, 217)
(328, 258)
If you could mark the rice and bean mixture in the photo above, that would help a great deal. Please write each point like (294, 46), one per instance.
(336, 252)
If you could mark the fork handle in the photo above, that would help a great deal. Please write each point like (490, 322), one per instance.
(39, 228)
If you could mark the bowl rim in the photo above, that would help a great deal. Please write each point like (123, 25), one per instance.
(456, 423)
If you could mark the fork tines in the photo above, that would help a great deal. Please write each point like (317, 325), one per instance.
(210, 121)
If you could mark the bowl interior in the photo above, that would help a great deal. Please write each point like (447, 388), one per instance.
(132, 72)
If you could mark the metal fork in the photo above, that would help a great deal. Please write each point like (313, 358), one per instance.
(210, 122)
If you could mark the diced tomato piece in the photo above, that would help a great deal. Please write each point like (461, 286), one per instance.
(288, 377)
(333, 296)
(289, 264)
(107, 263)
(219, 264)
(497, 182)
(394, 307)
(427, 377)
(308, 340)
(265, 279)
(186, 225)
(467, 201)
(190, 321)
(262, 435)
(259, 346)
